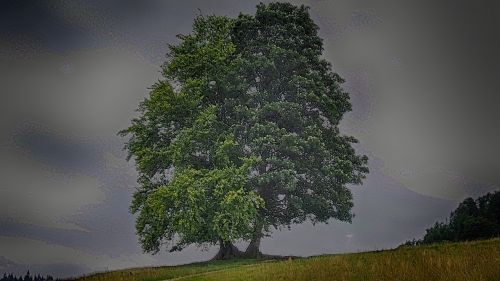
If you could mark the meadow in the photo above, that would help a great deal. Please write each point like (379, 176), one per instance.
(472, 261)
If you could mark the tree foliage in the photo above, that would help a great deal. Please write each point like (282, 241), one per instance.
(471, 220)
(242, 133)
(288, 114)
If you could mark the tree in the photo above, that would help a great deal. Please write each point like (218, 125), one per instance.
(242, 135)
(439, 232)
(471, 220)
(27, 277)
(287, 116)
(192, 180)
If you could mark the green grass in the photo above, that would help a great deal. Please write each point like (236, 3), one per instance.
(472, 261)
(165, 272)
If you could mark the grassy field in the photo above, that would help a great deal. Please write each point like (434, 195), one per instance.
(165, 272)
(471, 261)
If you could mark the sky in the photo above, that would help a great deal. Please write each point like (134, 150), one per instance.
(423, 81)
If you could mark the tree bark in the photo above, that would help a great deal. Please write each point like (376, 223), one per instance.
(253, 249)
(227, 251)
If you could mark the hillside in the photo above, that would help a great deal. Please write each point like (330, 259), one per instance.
(473, 261)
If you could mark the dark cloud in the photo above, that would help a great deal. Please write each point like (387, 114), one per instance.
(423, 83)
(59, 151)
(35, 21)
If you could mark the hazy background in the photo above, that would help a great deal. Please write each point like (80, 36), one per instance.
(423, 78)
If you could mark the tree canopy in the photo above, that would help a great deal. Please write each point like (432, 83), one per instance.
(241, 135)
(471, 220)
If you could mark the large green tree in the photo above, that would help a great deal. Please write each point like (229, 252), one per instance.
(241, 135)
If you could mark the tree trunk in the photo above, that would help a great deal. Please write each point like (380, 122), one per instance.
(227, 251)
(253, 250)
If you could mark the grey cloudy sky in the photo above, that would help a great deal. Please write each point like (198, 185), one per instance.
(423, 78)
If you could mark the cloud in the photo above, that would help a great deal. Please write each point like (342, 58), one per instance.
(86, 94)
(32, 193)
(38, 253)
(419, 81)
(55, 110)
(423, 93)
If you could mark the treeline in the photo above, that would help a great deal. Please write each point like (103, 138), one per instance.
(26, 277)
(472, 220)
